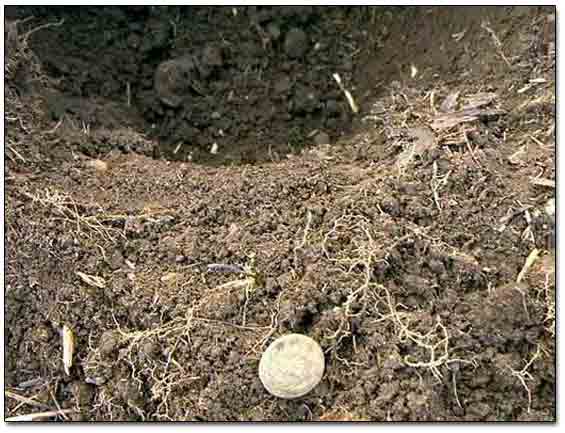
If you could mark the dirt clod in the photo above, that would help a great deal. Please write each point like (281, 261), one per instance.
(173, 80)
(296, 43)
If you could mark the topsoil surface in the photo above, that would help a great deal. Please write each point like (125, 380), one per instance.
(414, 239)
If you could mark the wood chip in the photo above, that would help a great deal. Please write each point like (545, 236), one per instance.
(449, 120)
(528, 264)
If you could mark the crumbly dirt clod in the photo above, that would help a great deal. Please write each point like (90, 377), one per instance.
(397, 238)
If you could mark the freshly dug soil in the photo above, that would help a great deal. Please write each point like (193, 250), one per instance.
(413, 240)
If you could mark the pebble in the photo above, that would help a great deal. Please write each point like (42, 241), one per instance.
(97, 165)
(321, 138)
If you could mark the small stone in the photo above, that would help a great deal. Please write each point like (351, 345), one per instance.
(321, 138)
(296, 43)
(97, 165)
(292, 366)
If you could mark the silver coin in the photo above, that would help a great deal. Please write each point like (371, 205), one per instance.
(292, 366)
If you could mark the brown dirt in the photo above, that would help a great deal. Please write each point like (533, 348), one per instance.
(398, 247)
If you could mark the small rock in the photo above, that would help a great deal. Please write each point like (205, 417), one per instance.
(296, 43)
(97, 165)
(321, 138)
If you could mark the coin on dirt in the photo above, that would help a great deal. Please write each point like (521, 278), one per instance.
(292, 366)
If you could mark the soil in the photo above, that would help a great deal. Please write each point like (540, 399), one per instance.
(397, 237)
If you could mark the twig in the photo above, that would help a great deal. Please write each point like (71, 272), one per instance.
(26, 400)
(496, 41)
(29, 383)
(534, 139)
(510, 216)
(523, 374)
(16, 153)
(44, 26)
(40, 415)
(527, 265)
(436, 183)
(51, 131)
(350, 99)
(470, 149)
(304, 236)
(220, 267)
(58, 407)
(455, 389)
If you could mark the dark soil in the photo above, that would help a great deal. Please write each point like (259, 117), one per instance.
(400, 246)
